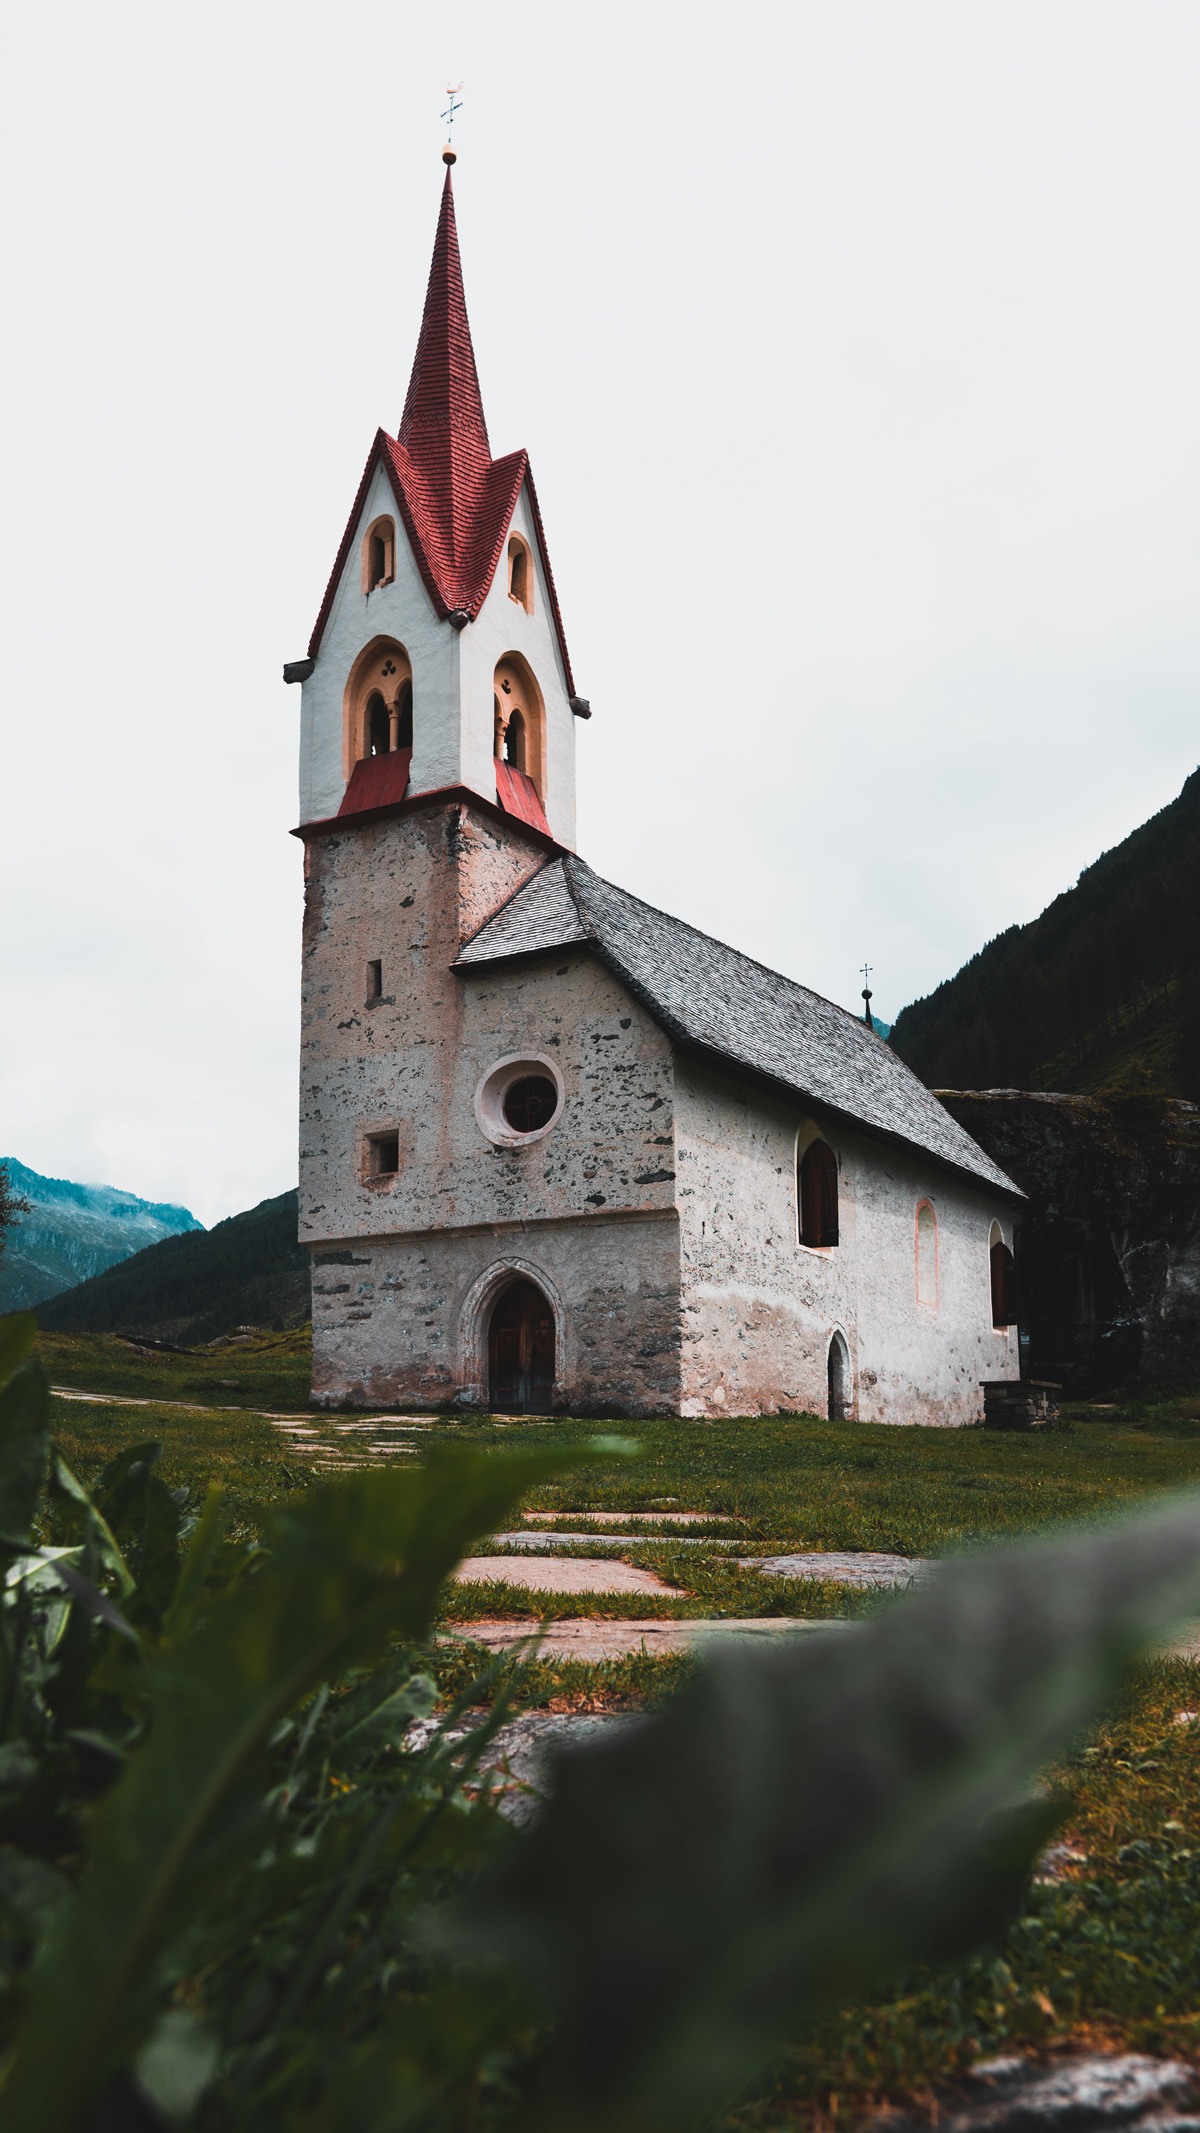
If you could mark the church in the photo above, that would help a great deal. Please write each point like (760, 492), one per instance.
(560, 1152)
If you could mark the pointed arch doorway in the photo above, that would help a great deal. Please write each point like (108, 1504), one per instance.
(521, 1351)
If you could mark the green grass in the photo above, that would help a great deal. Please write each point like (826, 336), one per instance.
(267, 1370)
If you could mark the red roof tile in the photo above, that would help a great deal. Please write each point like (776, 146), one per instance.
(455, 500)
(518, 795)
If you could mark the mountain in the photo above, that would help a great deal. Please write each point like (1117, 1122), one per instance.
(74, 1231)
(1101, 991)
(248, 1270)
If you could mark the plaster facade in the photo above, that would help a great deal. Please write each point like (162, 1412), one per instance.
(760, 1308)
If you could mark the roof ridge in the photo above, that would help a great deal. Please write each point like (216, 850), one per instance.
(727, 948)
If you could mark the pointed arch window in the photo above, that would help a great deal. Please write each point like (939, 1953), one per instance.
(1003, 1273)
(818, 1192)
(520, 574)
(927, 1256)
(379, 555)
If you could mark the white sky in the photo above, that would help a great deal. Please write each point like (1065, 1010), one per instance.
(856, 346)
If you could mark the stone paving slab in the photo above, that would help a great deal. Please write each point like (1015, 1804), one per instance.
(637, 1518)
(594, 1640)
(547, 1543)
(1082, 2093)
(566, 1575)
(518, 1755)
(858, 1567)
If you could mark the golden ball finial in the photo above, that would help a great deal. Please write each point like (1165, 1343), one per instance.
(449, 155)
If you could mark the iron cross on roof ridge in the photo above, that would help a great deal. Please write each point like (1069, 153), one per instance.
(454, 108)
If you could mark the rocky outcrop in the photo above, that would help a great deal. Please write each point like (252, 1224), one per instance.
(1108, 1250)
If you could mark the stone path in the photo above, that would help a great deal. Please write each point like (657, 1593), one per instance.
(594, 1640)
(332, 1445)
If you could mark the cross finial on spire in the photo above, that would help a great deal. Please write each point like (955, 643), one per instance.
(867, 968)
(455, 106)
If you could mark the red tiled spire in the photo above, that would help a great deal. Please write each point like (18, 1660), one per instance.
(456, 501)
(442, 428)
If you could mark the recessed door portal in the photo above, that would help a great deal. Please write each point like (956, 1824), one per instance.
(521, 1352)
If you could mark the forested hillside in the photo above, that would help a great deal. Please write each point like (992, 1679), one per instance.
(1104, 984)
(248, 1270)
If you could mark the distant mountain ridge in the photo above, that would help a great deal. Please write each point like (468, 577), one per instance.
(73, 1232)
(247, 1271)
(1105, 985)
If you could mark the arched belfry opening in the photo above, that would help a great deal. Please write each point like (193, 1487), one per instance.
(520, 721)
(521, 1351)
(378, 703)
(377, 725)
(839, 1379)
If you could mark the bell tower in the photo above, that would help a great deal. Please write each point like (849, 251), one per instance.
(438, 663)
(437, 775)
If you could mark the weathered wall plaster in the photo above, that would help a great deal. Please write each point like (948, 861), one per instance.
(759, 1308)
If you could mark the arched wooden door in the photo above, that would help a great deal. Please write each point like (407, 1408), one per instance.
(521, 1352)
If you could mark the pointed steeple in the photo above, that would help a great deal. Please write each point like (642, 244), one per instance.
(442, 427)
(456, 502)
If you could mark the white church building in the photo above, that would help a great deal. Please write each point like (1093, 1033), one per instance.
(558, 1150)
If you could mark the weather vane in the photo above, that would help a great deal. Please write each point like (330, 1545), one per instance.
(867, 968)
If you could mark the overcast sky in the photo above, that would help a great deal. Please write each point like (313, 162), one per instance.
(856, 347)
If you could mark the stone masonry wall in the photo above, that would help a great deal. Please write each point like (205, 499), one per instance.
(403, 1320)
(405, 892)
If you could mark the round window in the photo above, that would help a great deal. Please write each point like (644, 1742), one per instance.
(519, 1099)
(530, 1103)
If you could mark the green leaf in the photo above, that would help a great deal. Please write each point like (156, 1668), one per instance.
(352, 1565)
(24, 1449)
(387, 1722)
(18, 1333)
(80, 1515)
(811, 1815)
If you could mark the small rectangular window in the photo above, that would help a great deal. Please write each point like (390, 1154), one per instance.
(375, 981)
(383, 1155)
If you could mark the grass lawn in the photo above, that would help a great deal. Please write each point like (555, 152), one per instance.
(1106, 1953)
